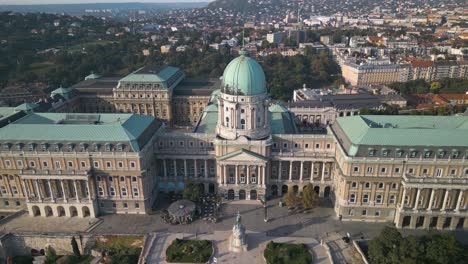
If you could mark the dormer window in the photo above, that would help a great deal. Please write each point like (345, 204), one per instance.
(371, 152)
(120, 147)
(385, 152)
(96, 147)
(427, 153)
(70, 147)
(57, 147)
(108, 147)
(441, 153)
(399, 153)
(83, 147)
(44, 146)
(6, 146)
(413, 153)
(19, 146)
(455, 154)
(31, 146)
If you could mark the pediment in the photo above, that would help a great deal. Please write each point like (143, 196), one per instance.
(243, 155)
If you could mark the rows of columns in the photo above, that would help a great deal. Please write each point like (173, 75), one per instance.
(185, 174)
(57, 190)
(433, 199)
(323, 170)
(258, 170)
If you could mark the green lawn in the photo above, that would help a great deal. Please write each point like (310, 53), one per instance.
(282, 253)
(122, 249)
(80, 46)
(189, 251)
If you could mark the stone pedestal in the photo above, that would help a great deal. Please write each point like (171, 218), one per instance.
(237, 240)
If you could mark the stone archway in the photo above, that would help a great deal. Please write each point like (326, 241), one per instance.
(230, 194)
(296, 189)
(48, 211)
(211, 188)
(202, 187)
(73, 211)
(274, 190)
(326, 192)
(60, 211)
(253, 195)
(85, 211)
(36, 211)
(317, 189)
(406, 221)
(284, 189)
(241, 194)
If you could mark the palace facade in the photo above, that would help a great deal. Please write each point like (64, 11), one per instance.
(409, 170)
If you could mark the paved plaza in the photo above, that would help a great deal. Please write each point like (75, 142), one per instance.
(256, 242)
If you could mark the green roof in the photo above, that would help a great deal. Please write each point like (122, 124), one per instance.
(26, 107)
(281, 120)
(406, 130)
(208, 120)
(77, 128)
(66, 93)
(5, 112)
(146, 75)
(93, 76)
(244, 76)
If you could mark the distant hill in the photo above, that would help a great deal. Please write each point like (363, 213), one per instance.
(116, 7)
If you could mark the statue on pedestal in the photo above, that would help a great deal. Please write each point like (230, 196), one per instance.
(237, 241)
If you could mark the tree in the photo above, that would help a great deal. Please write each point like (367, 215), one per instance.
(192, 192)
(309, 197)
(51, 257)
(435, 87)
(75, 248)
(291, 199)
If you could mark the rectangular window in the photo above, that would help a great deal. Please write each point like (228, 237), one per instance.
(70, 164)
(369, 169)
(364, 212)
(45, 164)
(7, 163)
(132, 164)
(108, 164)
(19, 163)
(96, 164)
(356, 169)
(83, 164)
(439, 172)
(397, 170)
(57, 164)
(383, 170)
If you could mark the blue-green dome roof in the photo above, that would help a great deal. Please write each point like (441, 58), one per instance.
(244, 76)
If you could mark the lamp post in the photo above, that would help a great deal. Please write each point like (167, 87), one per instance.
(264, 203)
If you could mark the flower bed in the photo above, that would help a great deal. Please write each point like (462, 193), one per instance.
(189, 251)
(282, 253)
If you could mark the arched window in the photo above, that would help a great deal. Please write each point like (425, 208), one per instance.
(100, 191)
(378, 199)
(112, 191)
(227, 121)
(365, 198)
(253, 178)
(123, 191)
(392, 199)
(242, 178)
(135, 192)
(242, 123)
(352, 198)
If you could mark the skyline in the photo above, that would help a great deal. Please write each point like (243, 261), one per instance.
(51, 2)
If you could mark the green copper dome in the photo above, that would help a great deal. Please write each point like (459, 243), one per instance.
(244, 76)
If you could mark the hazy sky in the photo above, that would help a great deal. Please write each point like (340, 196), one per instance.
(26, 2)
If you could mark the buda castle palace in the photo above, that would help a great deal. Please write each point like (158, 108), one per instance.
(110, 145)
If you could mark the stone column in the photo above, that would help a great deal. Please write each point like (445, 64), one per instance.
(235, 175)
(403, 197)
(279, 170)
(224, 174)
(431, 199)
(76, 191)
(248, 175)
(175, 168)
(302, 171)
(263, 176)
(444, 203)
(311, 171)
(290, 170)
(89, 191)
(63, 191)
(195, 167)
(323, 171)
(185, 169)
(25, 189)
(38, 190)
(416, 202)
(460, 196)
(206, 169)
(165, 168)
(51, 191)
